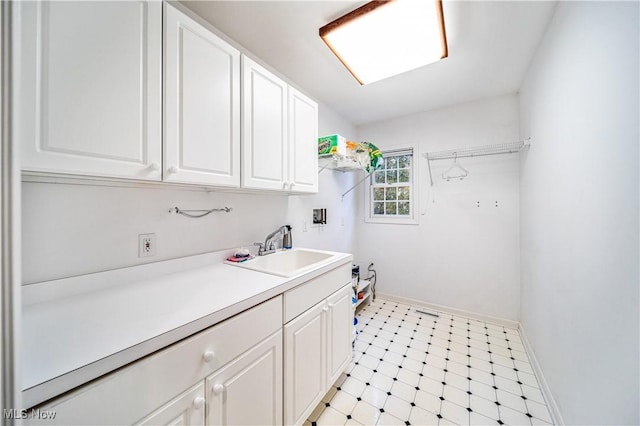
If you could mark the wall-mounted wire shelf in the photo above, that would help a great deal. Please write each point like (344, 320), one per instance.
(503, 148)
(342, 163)
(477, 151)
(198, 213)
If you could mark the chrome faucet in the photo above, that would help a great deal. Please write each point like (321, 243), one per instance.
(269, 243)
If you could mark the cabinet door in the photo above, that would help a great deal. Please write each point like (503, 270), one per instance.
(264, 136)
(248, 391)
(339, 327)
(185, 409)
(303, 143)
(304, 364)
(90, 87)
(202, 104)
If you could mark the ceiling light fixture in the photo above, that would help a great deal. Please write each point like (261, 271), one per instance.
(388, 37)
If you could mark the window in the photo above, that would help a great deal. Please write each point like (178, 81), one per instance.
(391, 193)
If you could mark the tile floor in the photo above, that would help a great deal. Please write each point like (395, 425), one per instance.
(413, 369)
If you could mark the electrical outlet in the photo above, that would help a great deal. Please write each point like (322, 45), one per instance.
(146, 245)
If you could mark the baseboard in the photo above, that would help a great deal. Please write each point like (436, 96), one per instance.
(450, 310)
(554, 411)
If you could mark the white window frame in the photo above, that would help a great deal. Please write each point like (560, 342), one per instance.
(412, 219)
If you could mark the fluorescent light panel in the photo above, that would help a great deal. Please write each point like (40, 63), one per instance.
(385, 38)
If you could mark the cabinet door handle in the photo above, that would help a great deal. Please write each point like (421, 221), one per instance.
(172, 170)
(291, 185)
(208, 356)
(154, 167)
(217, 389)
(284, 185)
(198, 403)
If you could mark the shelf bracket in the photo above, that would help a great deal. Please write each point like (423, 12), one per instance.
(426, 155)
(354, 186)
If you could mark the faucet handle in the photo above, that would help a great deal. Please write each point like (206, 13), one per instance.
(261, 247)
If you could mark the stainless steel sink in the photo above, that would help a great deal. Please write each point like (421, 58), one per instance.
(287, 263)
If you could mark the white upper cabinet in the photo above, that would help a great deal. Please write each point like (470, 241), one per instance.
(303, 143)
(280, 132)
(90, 98)
(202, 104)
(90, 86)
(264, 138)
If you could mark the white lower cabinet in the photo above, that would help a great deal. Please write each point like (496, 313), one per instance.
(305, 365)
(248, 390)
(339, 326)
(170, 386)
(317, 349)
(254, 376)
(185, 409)
(247, 370)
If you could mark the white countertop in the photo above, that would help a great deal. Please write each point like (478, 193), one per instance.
(79, 328)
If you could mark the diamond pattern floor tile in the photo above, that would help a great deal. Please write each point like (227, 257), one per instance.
(415, 369)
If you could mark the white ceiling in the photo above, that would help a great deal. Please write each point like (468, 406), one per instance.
(491, 44)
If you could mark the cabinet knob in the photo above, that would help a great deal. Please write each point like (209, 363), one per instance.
(217, 389)
(172, 170)
(208, 356)
(284, 185)
(198, 403)
(291, 185)
(325, 309)
(154, 167)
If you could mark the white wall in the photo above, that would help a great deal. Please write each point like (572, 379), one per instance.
(460, 255)
(74, 229)
(579, 204)
(77, 229)
(338, 234)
